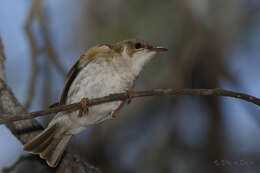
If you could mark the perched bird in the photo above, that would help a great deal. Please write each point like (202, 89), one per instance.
(100, 71)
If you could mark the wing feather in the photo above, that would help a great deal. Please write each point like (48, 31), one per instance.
(84, 60)
(70, 78)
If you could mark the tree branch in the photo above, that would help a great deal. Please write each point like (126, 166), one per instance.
(36, 12)
(34, 53)
(2, 60)
(25, 130)
(123, 96)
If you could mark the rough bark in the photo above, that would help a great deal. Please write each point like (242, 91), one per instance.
(25, 130)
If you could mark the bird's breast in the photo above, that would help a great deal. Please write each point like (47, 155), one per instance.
(97, 80)
(93, 81)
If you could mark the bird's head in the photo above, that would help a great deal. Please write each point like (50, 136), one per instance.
(127, 56)
(136, 53)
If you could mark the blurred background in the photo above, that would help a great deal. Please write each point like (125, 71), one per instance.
(212, 44)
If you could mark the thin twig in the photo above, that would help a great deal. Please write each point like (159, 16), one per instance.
(36, 12)
(25, 130)
(2, 61)
(16, 163)
(48, 46)
(34, 53)
(123, 96)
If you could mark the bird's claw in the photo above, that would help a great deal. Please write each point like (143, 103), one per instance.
(84, 106)
(130, 94)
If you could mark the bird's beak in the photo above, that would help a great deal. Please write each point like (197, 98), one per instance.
(158, 49)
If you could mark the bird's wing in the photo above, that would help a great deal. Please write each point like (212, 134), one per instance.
(72, 74)
(70, 78)
(84, 60)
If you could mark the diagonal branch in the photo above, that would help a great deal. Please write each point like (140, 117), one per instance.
(34, 53)
(48, 46)
(25, 130)
(36, 12)
(2, 61)
(123, 96)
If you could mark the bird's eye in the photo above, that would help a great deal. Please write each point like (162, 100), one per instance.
(138, 45)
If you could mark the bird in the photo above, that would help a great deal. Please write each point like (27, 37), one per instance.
(100, 71)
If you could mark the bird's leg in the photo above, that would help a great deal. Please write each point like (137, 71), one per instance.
(84, 106)
(129, 94)
(116, 112)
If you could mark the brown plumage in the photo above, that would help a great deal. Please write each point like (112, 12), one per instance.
(49, 145)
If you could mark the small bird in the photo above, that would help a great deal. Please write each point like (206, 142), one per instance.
(100, 71)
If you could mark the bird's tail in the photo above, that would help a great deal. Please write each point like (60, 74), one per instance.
(50, 144)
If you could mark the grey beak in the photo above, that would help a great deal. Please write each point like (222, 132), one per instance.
(158, 49)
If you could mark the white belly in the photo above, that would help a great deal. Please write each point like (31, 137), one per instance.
(94, 81)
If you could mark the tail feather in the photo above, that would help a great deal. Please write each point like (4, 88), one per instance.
(50, 144)
(45, 154)
(54, 158)
(40, 148)
(40, 139)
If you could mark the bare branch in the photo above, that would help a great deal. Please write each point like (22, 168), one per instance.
(17, 163)
(34, 53)
(2, 61)
(48, 47)
(70, 164)
(36, 12)
(73, 164)
(123, 96)
(25, 130)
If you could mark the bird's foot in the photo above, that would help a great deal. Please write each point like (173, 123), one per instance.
(116, 112)
(130, 94)
(84, 106)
